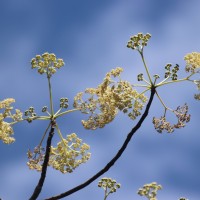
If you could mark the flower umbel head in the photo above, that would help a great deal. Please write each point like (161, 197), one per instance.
(109, 185)
(182, 115)
(107, 99)
(150, 190)
(65, 157)
(69, 154)
(47, 63)
(138, 41)
(36, 158)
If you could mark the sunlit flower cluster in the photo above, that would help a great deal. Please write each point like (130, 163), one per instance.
(182, 115)
(69, 154)
(6, 130)
(109, 185)
(47, 63)
(138, 41)
(150, 190)
(109, 97)
(192, 61)
(65, 157)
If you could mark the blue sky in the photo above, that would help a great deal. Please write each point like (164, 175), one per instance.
(91, 37)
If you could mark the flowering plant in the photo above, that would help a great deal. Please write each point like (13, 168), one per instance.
(101, 104)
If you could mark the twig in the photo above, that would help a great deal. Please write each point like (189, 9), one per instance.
(115, 158)
(39, 186)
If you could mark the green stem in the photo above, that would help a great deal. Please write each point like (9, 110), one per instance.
(139, 85)
(144, 91)
(44, 134)
(33, 118)
(146, 81)
(146, 68)
(166, 108)
(163, 80)
(57, 112)
(60, 135)
(50, 96)
(63, 113)
(174, 81)
(105, 195)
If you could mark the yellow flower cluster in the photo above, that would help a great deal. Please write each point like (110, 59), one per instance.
(150, 190)
(192, 61)
(69, 154)
(36, 158)
(109, 185)
(65, 157)
(5, 128)
(109, 97)
(5, 133)
(138, 41)
(47, 63)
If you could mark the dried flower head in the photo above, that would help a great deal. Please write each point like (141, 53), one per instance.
(47, 63)
(161, 124)
(197, 83)
(107, 99)
(192, 61)
(109, 185)
(150, 190)
(182, 115)
(197, 96)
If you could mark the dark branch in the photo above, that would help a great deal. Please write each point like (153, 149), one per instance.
(39, 186)
(116, 157)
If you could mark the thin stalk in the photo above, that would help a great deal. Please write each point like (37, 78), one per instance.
(57, 112)
(42, 117)
(144, 91)
(44, 134)
(33, 118)
(174, 81)
(105, 194)
(60, 135)
(146, 68)
(163, 80)
(50, 96)
(139, 85)
(146, 81)
(166, 108)
(65, 112)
